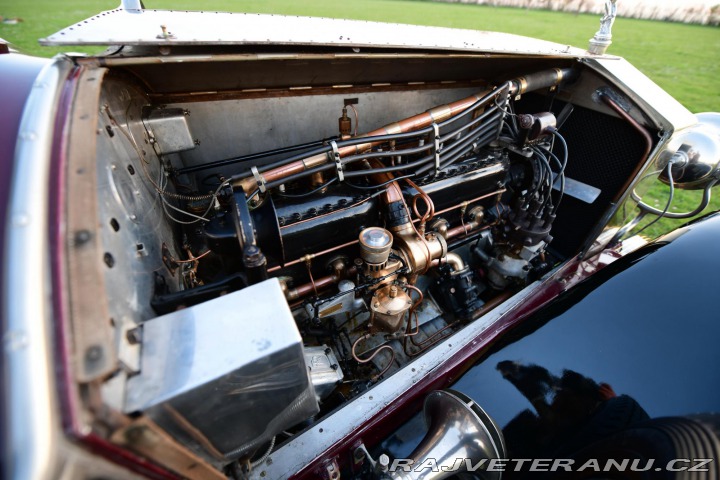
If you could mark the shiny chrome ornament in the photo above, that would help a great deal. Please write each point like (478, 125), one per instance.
(460, 433)
(603, 37)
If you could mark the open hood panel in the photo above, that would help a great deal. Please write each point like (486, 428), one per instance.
(166, 27)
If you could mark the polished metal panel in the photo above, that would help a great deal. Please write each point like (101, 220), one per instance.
(30, 419)
(131, 223)
(121, 27)
(242, 120)
(325, 372)
(169, 131)
(225, 375)
(576, 189)
(458, 430)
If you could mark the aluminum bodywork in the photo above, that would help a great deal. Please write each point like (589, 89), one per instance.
(143, 27)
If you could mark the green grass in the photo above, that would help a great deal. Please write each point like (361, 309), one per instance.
(682, 59)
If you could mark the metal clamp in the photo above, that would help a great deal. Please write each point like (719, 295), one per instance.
(338, 162)
(259, 179)
(436, 129)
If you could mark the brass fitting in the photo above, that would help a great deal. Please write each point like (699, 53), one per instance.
(344, 123)
(387, 309)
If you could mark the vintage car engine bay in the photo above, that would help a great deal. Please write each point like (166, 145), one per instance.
(280, 232)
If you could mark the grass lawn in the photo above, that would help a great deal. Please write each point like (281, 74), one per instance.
(683, 59)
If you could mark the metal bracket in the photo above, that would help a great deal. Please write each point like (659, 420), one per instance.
(436, 130)
(338, 162)
(259, 179)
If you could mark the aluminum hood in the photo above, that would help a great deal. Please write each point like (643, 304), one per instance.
(127, 26)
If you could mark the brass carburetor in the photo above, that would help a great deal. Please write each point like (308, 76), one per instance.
(390, 300)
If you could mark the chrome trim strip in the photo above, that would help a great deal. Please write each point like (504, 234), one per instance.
(304, 448)
(30, 413)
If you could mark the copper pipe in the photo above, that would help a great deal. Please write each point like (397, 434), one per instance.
(546, 78)
(310, 256)
(374, 351)
(430, 213)
(319, 284)
(308, 264)
(455, 261)
(311, 287)
(416, 122)
(641, 130)
(463, 230)
(492, 303)
(468, 202)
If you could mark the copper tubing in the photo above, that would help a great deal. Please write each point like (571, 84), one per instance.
(640, 129)
(431, 340)
(192, 258)
(308, 288)
(455, 261)
(463, 229)
(310, 256)
(492, 303)
(416, 122)
(468, 202)
(430, 213)
(373, 355)
(319, 284)
(546, 78)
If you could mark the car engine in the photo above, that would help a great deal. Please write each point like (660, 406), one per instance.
(265, 261)
(381, 245)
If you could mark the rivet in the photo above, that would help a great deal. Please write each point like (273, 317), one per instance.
(21, 220)
(81, 237)
(28, 136)
(14, 340)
